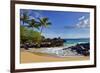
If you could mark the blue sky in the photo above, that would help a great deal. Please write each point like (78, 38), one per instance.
(64, 24)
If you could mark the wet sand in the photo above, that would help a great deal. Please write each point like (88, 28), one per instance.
(29, 57)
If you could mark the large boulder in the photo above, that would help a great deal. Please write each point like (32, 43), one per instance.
(82, 49)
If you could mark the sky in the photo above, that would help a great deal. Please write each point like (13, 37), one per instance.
(63, 24)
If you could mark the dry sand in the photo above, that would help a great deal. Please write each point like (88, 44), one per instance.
(29, 57)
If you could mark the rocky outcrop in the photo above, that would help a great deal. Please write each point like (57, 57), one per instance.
(82, 49)
(55, 42)
(78, 50)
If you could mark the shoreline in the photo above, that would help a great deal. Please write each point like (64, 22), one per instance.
(54, 54)
(30, 57)
(27, 57)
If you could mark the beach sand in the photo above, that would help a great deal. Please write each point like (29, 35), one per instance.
(29, 57)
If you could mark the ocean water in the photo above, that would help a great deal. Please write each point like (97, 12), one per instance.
(73, 42)
(59, 52)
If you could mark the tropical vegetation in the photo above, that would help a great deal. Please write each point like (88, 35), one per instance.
(31, 29)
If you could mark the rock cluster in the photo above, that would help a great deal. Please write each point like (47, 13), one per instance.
(77, 50)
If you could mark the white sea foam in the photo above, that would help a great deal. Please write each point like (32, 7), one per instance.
(57, 51)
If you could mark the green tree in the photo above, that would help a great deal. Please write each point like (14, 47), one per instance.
(24, 17)
(44, 23)
(23, 34)
(33, 24)
(28, 35)
(34, 36)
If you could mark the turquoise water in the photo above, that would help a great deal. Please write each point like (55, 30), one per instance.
(73, 42)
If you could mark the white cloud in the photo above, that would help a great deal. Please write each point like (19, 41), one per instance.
(81, 18)
(83, 22)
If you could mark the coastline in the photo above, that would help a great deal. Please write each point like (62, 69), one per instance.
(55, 54)
(29, 57)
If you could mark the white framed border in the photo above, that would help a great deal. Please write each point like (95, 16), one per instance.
(51, 64)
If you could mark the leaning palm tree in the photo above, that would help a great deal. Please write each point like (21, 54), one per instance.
(24, 17)
(44, 23)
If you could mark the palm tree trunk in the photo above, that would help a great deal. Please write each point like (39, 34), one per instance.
(41, 34)
(41, 30)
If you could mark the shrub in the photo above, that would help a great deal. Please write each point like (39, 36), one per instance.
(29, 35)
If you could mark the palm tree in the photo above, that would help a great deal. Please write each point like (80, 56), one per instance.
(44, 23)
(33, 24)
(24, 17)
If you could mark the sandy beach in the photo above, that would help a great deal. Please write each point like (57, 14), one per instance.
(29, 57)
